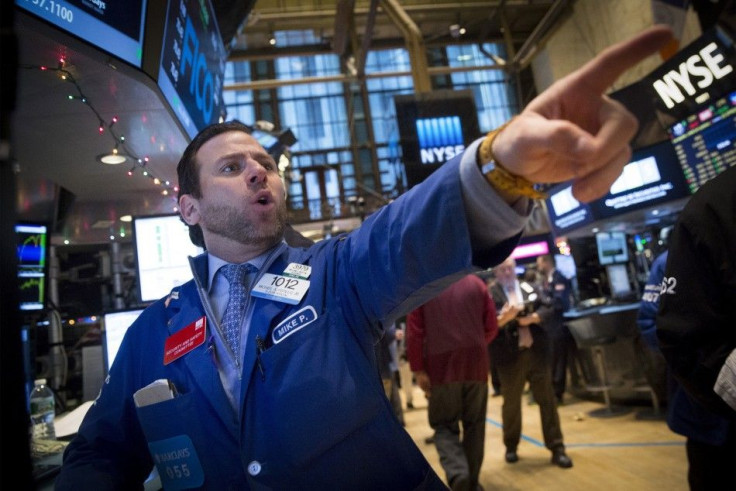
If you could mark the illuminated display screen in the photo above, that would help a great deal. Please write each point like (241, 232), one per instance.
(652, 176)
(704, 142)
(612, 247)
(32, 247)
(618, 281)
(192, 64)
(116, 27)
(114, 327)
(162, 250)
(565, 212)
(532, 246)
(533, 249)
(440, 139)
(434, 127)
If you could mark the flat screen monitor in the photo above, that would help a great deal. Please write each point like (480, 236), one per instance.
(612, 248)
(114, 327)
(651, 177)
(705, 142)
(116, 27)
(619, 282)
(565, 212)
(32, 271)
(162, 250)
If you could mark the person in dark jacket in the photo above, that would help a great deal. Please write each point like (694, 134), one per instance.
(696, 328)
(521, 351)
(557, 293)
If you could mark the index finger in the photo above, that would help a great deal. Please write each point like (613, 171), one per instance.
(603, 70)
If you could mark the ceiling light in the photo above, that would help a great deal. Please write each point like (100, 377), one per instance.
(112, 158)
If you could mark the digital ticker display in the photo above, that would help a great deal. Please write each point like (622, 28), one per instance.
(704, 141)
(116, 27)
(32, 265)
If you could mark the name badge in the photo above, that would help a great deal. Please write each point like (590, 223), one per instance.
(281, 288)
(177, 463)
(294, 323)
(185, 340)
(296, 270)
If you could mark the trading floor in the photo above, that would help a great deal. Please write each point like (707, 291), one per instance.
(628, 452)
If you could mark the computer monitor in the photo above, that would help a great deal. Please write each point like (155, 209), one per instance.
(162, 250)
(612, 248)
(32, 271)
(114, 326)
(619, 282)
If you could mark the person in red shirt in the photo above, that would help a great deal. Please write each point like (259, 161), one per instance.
(447, 342)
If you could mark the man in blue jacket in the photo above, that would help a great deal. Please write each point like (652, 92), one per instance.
(296, 402)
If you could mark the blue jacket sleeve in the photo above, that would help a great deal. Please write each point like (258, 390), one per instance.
(647, 316)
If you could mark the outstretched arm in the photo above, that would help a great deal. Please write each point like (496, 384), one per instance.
(573, 130)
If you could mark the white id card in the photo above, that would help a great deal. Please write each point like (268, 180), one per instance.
(281, 288)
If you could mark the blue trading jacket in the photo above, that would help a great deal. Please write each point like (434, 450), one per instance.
(314, 415)
(647, 316)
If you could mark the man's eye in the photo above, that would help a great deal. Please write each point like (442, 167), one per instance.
(230, 167)
(268, 164)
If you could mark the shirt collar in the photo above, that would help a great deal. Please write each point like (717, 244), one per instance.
(214, 263)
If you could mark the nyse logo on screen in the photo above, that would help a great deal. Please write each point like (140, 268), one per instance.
(440, 139)
(699, 70)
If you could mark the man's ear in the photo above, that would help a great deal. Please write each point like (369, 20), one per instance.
(189, 209)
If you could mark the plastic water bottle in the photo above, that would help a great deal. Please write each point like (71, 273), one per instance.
(42, 411)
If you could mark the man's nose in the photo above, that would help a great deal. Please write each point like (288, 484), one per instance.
(255, 173)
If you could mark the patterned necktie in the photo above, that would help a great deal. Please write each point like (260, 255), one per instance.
(233, 317)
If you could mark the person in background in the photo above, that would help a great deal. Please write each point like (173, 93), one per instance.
(388, 367)
(260, 372)
(495, 380)
(405, 375)
(557, 293)
(447, 351)
(646, 345)
(521, 351)
(696, 329)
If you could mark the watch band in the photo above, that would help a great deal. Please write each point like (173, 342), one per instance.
(498, 175)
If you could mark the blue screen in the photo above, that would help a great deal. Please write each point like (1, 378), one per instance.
(32, 247)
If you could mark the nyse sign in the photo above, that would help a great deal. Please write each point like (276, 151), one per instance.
(440, 139)
(696, 74)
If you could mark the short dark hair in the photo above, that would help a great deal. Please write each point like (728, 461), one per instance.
(188, 174)
(548, 258)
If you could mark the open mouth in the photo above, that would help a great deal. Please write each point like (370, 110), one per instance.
(263, 198)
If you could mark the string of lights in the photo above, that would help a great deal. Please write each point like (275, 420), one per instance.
(121, 147)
